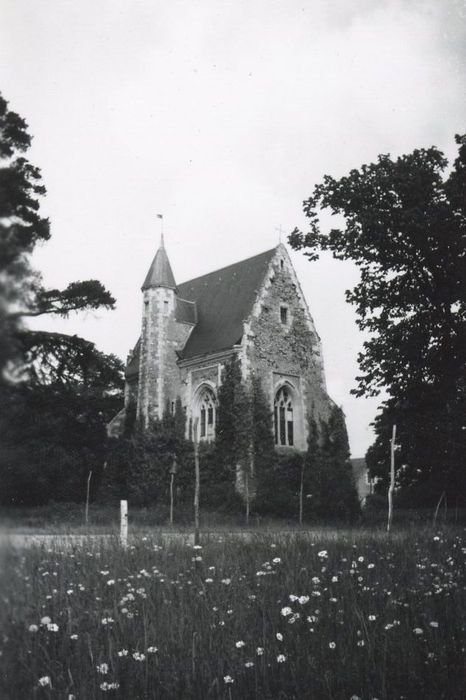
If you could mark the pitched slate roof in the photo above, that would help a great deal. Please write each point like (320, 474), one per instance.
(220, 302)
(160, 273)
(224, 299)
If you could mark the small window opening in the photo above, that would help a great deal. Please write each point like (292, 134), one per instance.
(284, 315)
(282, 264)
(165, 308)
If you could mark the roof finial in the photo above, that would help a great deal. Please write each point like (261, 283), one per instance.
(162, 243)
(280, 231)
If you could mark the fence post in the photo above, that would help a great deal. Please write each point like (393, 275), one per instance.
(197, 484)
(87, 496)
(124, 523)
(391, 488)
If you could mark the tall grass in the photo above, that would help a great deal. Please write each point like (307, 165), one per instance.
(347, 616)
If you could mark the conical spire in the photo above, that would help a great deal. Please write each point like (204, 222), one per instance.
(160, 273)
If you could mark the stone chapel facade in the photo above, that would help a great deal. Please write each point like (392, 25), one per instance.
(254, 309)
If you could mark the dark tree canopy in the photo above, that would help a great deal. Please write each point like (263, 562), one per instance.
(404, 226)
(56, 391)
(22, 226)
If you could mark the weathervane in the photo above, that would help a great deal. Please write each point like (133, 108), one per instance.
(160, 216)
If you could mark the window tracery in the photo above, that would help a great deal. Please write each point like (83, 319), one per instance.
(207, 411)
(284, 417)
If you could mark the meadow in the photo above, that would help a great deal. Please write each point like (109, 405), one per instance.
(349, 615)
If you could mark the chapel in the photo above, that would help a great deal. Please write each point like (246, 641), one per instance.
(253, 309)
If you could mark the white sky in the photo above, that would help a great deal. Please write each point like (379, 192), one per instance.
(222, 116)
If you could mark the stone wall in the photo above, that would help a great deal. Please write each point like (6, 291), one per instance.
(290, 352)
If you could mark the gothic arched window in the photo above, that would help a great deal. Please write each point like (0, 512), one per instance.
(283, 417)
(206, 414)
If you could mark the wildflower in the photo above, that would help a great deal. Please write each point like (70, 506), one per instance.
(260, 651)
(52, 627)
(333, 600)
(209, 580)
(334, 579)
(371, 618)
(228, 679)
(45, 620)
(45, 680)
(107, 620)
(293, 598)
(110, 582)
(315, 580)
(152, 650)
(433, 624)
(240, 644)
(286, 611)
(197, 546)
(109, 686)
(230, 612)
(73, 637)
(69, 591)
(323, 554)
(105, 573)
(137, 656)
(361, 559)
(360, 642)
(281, 658)
(249, 664)
(33, 628)
(102, 668)
(198, 558)
(303, 599)
(332, 645)
(277, 560)
(279, 636)
(371, 566)
(226, 581)
(417, 630)
(123, 652)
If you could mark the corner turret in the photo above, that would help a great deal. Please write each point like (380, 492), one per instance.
(160, 272)
(158, 314)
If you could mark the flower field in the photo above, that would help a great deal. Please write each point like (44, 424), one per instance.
(353, 616)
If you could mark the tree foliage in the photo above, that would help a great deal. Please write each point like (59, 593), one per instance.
(139, 463)
(56, 391)
(404, 226)
(22, 226)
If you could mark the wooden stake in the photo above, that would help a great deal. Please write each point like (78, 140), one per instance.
(172, 476)
(124, 523)
(301, 492)
(391, 488)
(86, 517)
(197, 483)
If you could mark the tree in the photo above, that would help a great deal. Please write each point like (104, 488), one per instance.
(56, 391)
(139, 463)
(21, 228)
(233, 433)
(405, 228)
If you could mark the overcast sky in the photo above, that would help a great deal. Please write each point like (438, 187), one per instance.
(221, 116)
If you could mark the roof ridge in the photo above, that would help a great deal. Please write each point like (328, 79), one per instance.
(226, 267)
